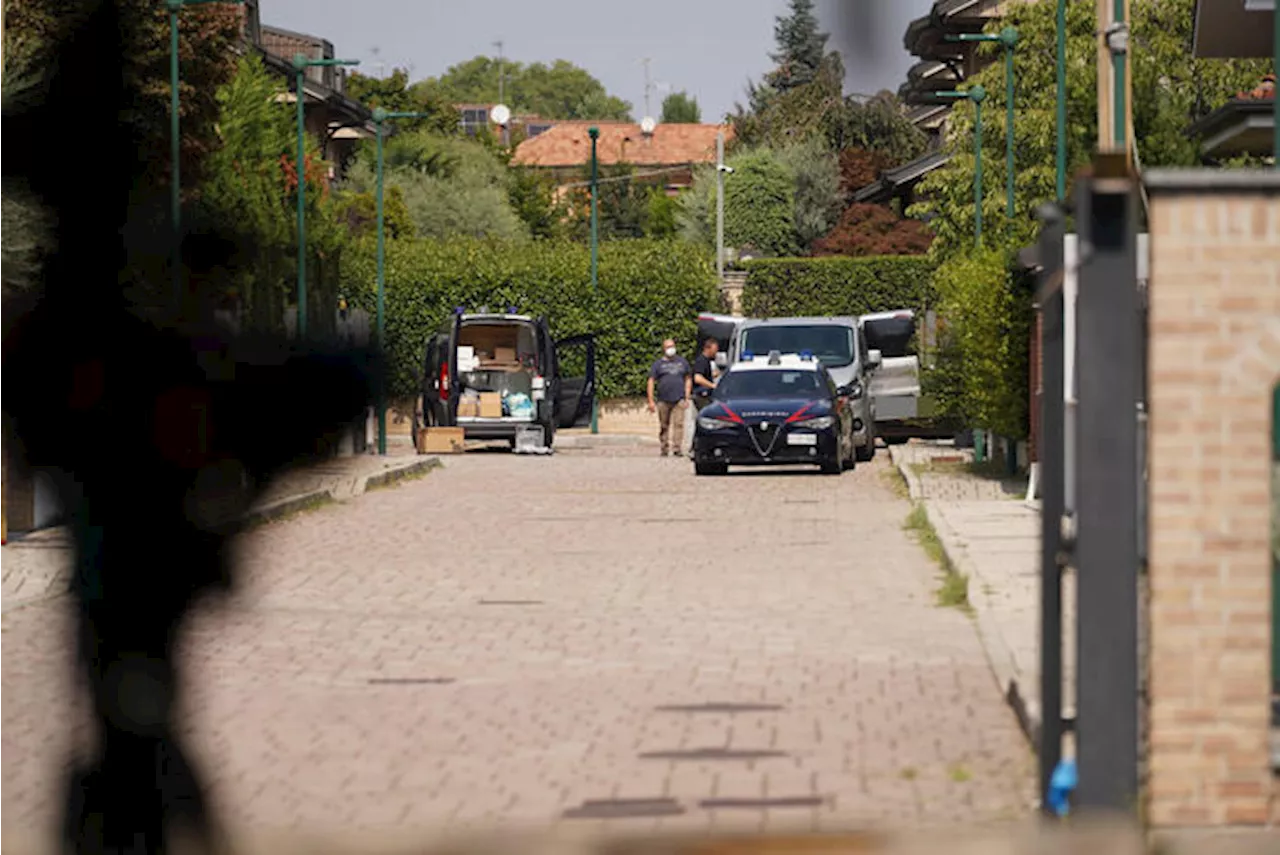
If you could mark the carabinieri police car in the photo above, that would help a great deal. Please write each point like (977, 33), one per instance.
(776, 409)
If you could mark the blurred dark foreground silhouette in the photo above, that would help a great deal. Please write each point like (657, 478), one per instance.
(148, 418)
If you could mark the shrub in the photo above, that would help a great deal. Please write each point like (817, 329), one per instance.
(866, 229)
(786, 287)
(984, 343)
(648, 290)
(759, 205)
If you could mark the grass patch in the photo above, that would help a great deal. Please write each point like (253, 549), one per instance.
(954, 590)
(959, 774)
(909, 773)
(895, 482)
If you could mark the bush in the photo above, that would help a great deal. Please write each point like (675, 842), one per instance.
(866, 229)
(759, 205)
(788, 287)
(984, 360)
(648, 290)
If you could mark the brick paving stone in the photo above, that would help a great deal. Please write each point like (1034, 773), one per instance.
(654, 588)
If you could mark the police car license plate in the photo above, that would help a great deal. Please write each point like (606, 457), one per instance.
(802, 439)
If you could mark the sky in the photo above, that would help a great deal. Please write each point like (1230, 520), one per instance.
(708, 48)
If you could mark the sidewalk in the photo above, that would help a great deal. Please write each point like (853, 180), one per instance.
(992, 535)
(36, 566)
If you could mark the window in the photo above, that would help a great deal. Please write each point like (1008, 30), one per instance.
(831, 344)
(893, 337)
(770, 384)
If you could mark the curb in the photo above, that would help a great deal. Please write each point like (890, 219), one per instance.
(1025, 706)
(571, 443)
(999, 657)
(399, 473)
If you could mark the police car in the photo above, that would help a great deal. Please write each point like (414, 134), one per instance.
(779, 409)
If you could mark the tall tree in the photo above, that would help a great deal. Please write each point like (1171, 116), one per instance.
(560, 90)
(801, 47)
(679, 109)
(392, 93)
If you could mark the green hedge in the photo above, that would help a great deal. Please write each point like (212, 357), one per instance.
(789, 287)
(648, 290)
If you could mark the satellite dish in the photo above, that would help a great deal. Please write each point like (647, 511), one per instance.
(500, 114)
(647, 124)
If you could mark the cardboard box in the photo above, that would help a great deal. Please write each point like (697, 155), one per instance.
(490, 405)
(469, 408)
(441, 440)
(504, 354)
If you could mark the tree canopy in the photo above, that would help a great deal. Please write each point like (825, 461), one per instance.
(1171, 90)
(560, 90)
(802, 47)
(679, 109)
(394, 94)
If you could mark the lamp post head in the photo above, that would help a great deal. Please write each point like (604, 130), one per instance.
(379, 115)
(977, 94)
(1009, 36)
(300, 61)
(593, 132)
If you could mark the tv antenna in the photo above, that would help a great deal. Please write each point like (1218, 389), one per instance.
(377, 60)
(502, 71)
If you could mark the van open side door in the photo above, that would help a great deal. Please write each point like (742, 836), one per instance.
(575, 389)
(895, 385)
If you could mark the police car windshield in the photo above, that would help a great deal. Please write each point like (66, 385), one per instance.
(831, 344)
(780, 383)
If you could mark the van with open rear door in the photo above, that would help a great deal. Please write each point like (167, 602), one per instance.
(495, 375)
(895, 386)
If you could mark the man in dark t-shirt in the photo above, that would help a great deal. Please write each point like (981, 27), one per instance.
(669, 387)
(704, 373)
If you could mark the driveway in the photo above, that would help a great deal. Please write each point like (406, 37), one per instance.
(592, 634)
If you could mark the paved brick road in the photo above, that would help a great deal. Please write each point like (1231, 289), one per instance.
(512, 637)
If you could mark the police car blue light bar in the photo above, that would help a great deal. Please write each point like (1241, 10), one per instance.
(806, 355)
(747, 356)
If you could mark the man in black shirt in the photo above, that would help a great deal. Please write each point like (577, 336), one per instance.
(703, 383)
(703, 373)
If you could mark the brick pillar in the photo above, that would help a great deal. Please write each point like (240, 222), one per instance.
(1214, 358)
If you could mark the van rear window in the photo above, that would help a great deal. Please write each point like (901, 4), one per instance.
(893, 337)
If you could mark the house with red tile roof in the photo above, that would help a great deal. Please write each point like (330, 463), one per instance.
(668, 154)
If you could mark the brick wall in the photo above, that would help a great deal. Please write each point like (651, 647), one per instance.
(1214, 357)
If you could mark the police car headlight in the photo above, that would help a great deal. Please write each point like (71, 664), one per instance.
(820, 423)
(855, 390)
(713, 424)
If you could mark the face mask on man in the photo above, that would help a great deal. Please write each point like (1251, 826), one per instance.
(670, 351)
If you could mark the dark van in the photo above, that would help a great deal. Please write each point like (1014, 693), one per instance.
(494, 375)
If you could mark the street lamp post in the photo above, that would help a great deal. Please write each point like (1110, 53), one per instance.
(175, 147)
(977, 95)
(379, 117)
(594, 133)
(300, 65)
(1008, 37)
(1061, 130)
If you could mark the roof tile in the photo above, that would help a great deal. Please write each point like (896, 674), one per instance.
(567, 144)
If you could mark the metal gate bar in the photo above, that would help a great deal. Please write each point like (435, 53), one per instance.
(1049, 300)
(1109, 356)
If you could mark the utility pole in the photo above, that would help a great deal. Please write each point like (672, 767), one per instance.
(648, 88)
(720, 207)
(502, 72)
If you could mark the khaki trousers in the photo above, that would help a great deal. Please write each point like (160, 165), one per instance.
(671, 425)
